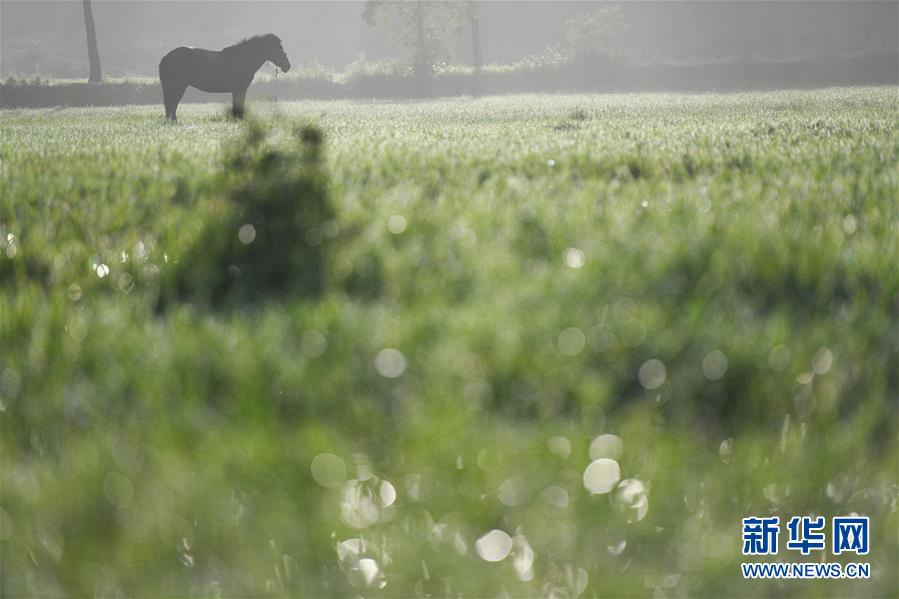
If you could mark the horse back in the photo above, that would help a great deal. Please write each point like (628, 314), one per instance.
(206, 70)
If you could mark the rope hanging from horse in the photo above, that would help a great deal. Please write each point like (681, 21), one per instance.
(275, 83)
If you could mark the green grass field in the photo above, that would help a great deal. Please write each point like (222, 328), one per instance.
(695, 296)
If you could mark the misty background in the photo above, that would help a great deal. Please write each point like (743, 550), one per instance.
(48, 38)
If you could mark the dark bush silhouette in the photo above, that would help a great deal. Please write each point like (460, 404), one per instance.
(605, 74)
(267, 238)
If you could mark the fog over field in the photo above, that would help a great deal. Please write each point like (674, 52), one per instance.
(47, 38)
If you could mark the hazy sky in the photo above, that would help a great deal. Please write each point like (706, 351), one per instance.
(47, 38)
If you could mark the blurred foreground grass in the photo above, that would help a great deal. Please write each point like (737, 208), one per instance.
(700, 291)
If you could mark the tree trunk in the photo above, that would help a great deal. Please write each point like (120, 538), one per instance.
(422, 63)
(476, 54)
(93, 54)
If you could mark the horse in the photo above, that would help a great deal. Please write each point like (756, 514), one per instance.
(229, 70)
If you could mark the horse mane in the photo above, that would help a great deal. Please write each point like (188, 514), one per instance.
(255, 40)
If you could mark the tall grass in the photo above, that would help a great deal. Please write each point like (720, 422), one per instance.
(700, 290)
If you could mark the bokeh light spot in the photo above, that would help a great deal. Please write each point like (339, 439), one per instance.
(606, 446)
(601, 476)
(652, 374)
(822, 361)
(396, 224)
(390, 363)
(574, 258)
(494, 546)
(571, 341)
(246, 234)
(328, 470)
(559, 446)
(714, 365)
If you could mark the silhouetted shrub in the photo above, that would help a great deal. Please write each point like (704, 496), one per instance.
(550, 71)
(269, 235)
(365, 281)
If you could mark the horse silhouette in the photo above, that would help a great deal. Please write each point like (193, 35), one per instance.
(229, 70)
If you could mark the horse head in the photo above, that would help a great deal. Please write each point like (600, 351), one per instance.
(274, 51)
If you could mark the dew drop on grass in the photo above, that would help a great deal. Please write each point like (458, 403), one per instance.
(606, 446)
(363, 465)
(822, 361)
(313, 236)
(330, 229)
(387, 492)
(633, 497)
(396, 224)
(77, 328)
(126, 282)
(523, 558)
(571, 341)
(482, 459)
(494, 546)
(580, 581)
(390, 363)
(714, 365)
(652, 374)
(511, 492)
(616, 548)
(359, 560)
(313, 343)
(10, 383)
(559, 446)
(554, 497)
(328, 470)
(574, 258)
(413, 486)
(600, 338)
(633, 333)
(11, 246)
(601, 476)
(246, 234)
(726, 450)
(371, 573)
(804, 378)
(838, 489)
(358, 507)
(118, 489)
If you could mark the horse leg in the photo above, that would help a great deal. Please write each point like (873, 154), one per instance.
(237, 103)
(167, 97)
(172, 92)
